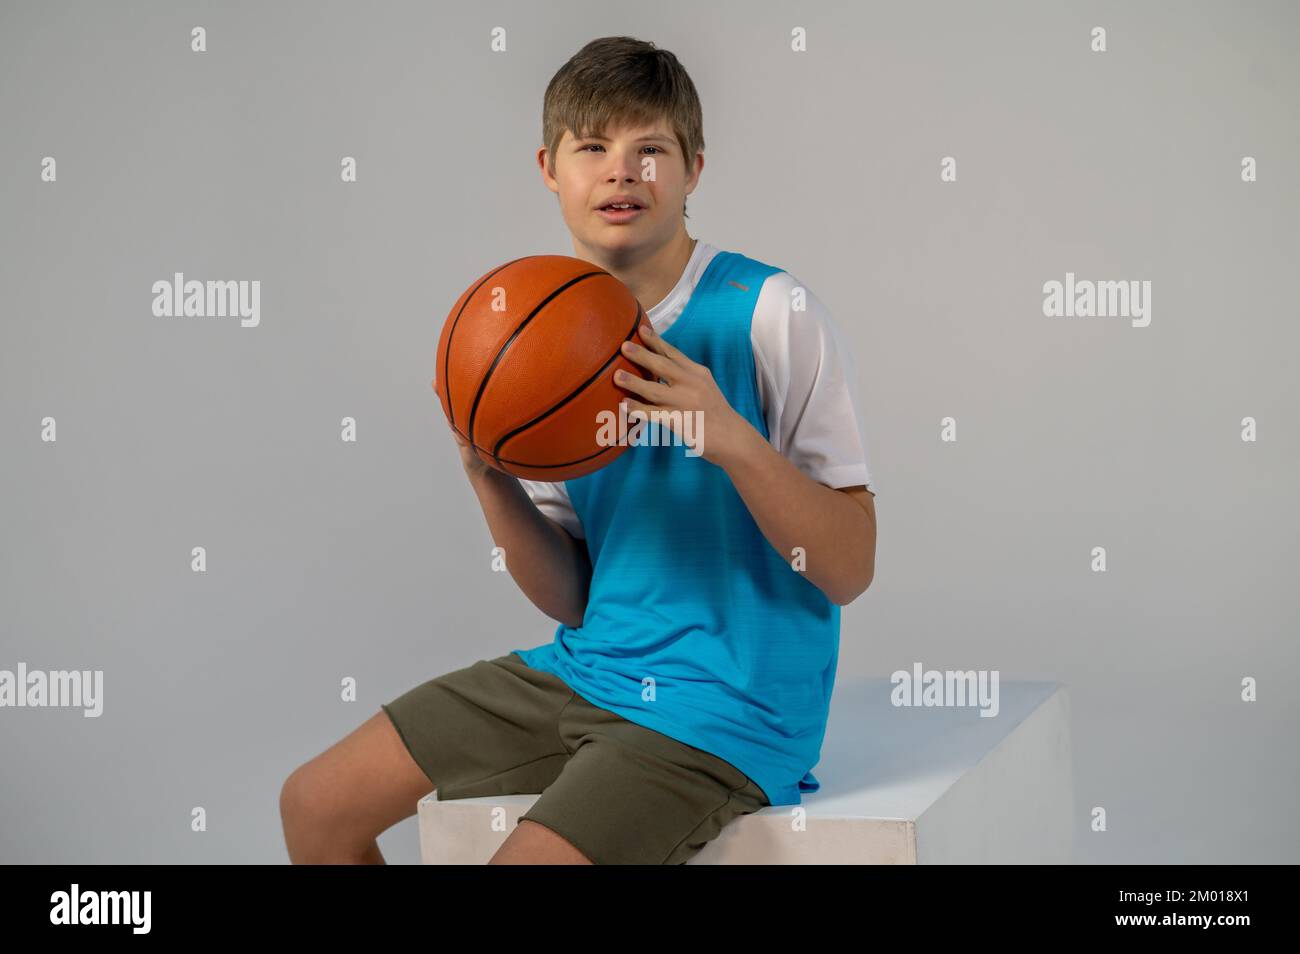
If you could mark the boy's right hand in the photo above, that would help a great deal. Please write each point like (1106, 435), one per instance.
(473, 464)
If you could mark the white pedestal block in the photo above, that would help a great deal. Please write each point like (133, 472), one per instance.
(900, 785)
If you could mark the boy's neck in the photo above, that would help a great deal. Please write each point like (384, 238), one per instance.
(651, 278)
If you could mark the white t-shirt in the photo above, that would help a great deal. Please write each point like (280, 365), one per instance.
(807, 385)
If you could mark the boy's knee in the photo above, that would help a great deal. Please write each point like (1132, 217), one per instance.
(300, 801)
(309, 835)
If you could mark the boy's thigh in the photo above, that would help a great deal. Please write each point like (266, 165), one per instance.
(487, 729)
(630, 795)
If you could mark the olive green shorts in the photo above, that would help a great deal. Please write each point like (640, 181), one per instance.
(618, 792)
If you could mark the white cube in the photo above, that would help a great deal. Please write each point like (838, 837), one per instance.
(899, 785)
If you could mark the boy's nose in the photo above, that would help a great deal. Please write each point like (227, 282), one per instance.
(625, 167)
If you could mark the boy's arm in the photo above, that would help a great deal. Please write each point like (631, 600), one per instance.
(550, 566)
(835, 528)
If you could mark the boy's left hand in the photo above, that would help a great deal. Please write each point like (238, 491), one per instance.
(718, 429)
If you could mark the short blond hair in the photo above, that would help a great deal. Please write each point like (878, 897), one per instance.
(620, 79)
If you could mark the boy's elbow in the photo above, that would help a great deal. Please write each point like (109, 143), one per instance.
(845, 599)
(866, 569)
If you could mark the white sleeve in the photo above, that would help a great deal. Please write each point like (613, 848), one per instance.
(807, 380)
(553, 501)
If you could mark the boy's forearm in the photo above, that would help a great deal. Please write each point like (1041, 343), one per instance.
(551, 567)
(793, 510)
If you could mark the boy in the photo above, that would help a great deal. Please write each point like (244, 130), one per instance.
(698, 596)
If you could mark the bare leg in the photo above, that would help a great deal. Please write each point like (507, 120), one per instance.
(535, 844)
(334, 807)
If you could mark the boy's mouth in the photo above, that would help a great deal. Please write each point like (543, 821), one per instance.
(620, 209)
(619, 215)
(617, 203)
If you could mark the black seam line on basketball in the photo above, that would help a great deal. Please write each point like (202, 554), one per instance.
(501, 352)
(524, 463)
(580, 388)
(446, 358)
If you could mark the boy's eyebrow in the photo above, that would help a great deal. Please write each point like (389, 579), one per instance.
(642, 139)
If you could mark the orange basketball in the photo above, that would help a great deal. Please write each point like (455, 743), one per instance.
(526, 363)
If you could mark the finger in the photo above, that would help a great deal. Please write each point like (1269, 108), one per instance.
(656, 343)
(636, 407)
(659, 364)
(651, 390)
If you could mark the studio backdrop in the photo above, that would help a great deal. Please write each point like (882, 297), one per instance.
(1058, 241)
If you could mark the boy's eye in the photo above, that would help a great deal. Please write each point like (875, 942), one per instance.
(596, 145)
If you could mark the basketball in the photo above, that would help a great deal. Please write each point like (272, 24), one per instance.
(526, 363)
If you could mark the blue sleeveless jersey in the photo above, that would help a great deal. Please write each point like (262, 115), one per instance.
(695, 626)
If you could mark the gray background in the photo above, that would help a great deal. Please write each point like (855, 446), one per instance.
(371, 560)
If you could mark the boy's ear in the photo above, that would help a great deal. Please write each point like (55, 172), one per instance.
(547, 176)
(696, 171)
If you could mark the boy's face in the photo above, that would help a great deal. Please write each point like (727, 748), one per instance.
(590, 172)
